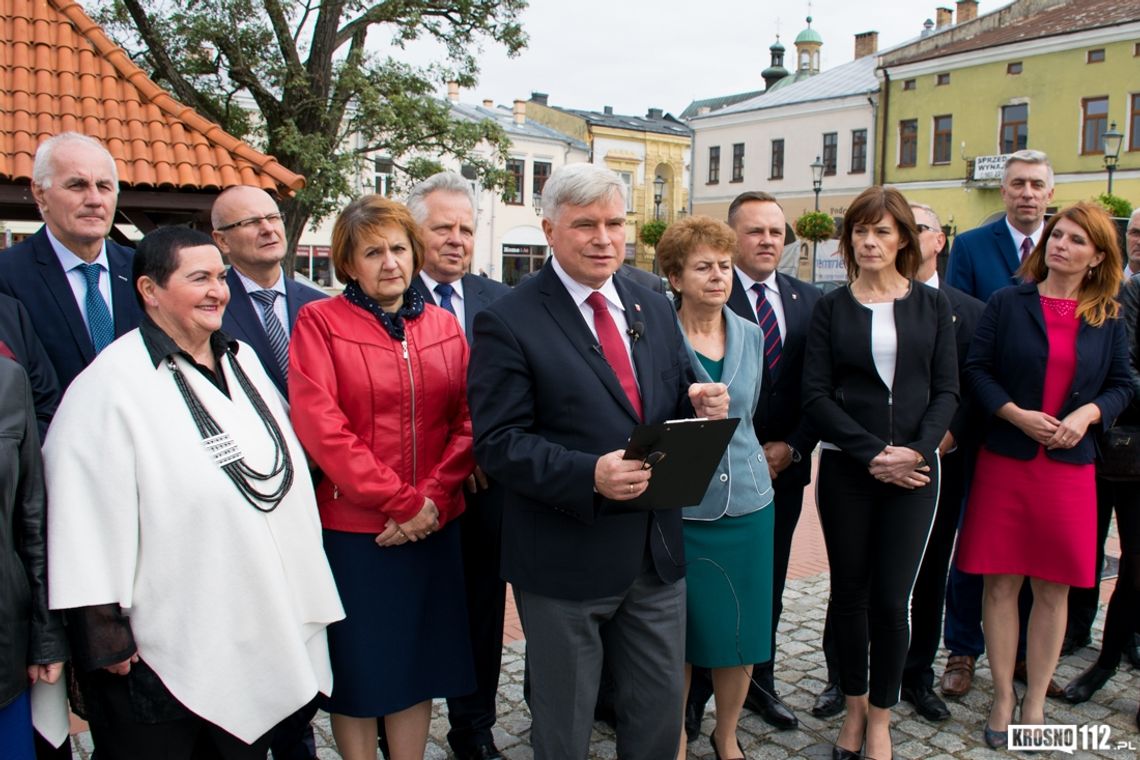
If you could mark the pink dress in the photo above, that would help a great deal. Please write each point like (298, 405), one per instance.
(1036, 517)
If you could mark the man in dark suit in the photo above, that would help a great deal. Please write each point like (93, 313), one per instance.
(929, 594)
(74, 283)
(564, 367)
(444, 207)
(250, 230)
(984, 260)
(788, 440)
(19, 343)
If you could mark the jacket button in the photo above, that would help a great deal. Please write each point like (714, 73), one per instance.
(759, 457)
(724, 477)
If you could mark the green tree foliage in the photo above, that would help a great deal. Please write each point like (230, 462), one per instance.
(1115, 205)
(815, 225)
(324, 101)
(652, 231)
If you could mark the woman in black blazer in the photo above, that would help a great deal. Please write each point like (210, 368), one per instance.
(880, 386)
(1049, 364)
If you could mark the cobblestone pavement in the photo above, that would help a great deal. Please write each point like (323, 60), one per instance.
(800, 674)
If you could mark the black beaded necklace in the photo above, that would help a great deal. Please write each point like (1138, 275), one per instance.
(219, 444)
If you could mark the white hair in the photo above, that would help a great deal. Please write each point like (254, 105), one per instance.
(441, 182)
(929, 210)
(42, 166)
(1028, 157)
(579, 185)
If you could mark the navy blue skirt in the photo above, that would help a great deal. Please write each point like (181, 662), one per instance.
(404, 638)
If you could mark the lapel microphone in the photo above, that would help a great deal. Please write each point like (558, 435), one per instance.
(636, 330)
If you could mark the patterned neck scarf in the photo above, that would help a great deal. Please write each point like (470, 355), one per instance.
(393, 323)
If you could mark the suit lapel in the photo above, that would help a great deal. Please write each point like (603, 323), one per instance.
(474, 301)
(246, 325)
(123, 301)
(56, 283)
(569, 319)
(738, 299)
(1005, 246)
(639, 347)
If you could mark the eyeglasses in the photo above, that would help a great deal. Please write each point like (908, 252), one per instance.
(926, 228)
(253, 221)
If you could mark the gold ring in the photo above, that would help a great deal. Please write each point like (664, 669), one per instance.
(631, 487)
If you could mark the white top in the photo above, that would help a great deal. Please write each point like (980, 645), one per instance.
(280, 304)
(772, 293)
(77, 280)
(228, 605)
(456, 297)
(884, 340)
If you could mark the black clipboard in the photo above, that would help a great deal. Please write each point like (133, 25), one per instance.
(683, 454)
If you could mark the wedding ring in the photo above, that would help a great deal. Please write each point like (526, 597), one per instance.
(631, 487)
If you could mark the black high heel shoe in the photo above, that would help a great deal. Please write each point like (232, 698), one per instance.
(838, 753)
(997, 739)
(716, 752)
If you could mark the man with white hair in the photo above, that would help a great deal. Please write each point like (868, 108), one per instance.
(74, 283)
(563, 368)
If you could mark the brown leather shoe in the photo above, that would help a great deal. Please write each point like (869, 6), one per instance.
(1021, 675)
(958, 677)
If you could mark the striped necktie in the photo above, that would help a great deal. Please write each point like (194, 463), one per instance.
(99, 321)
(766, 318)
(274, 330)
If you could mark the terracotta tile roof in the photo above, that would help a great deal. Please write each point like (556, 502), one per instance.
(1023, 24)
(60, 72)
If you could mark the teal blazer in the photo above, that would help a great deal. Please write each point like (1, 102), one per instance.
(741, 484)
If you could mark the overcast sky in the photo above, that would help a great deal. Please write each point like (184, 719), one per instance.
(637, 54)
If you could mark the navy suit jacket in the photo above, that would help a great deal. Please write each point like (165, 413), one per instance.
(1008, 359)
(31, 273)
(242, 320)
(478, 294)
(779, 415)
(17, 334)
(983, 260)
(967, 312)
(545, 405)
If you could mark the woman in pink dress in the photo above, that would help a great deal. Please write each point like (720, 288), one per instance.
(1049, 364)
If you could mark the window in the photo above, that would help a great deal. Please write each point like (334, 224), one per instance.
(943, 139)
(942, 79)
(1136, 50)
(909, 84)
(627, 180)
(382, 176)
(516, 167)
(1135, 130)
(541, 174)
(738, 162)
(1013, 68)
(1094, 123)
(830, 152)
(1096, 55)
(714, 164)
(858, 151)
(520, 260)
(777, 171)
(908, 142)
(1014, 128)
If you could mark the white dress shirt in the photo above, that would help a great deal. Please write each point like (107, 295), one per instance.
(77, 280)
(280, 305)
(579, 293)
(456, 297)
(772, 293)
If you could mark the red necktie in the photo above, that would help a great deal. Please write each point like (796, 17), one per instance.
(613, 348)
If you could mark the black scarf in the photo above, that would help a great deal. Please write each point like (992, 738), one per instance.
(393, 323)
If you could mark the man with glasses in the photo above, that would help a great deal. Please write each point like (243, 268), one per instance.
(250, 230)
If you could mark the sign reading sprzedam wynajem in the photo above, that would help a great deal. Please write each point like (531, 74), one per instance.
(989, 167)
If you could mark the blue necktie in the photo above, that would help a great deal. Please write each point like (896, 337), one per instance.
(274, 330)
(766, 318)
(99, 321)
(445, 292)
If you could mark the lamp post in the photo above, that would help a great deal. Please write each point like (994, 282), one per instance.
(658, 194)
(536, 201)
(816, 185)
(1111, 140)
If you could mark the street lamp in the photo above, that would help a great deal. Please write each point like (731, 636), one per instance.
(536, 201)
(658, 194)
(816, 185)
(1111, 141)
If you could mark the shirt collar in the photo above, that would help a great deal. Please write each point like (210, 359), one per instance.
(159, 345)
(431, 282)
(580, 292)
(933, 281)
(770, 282)
(251, 286)
(1018, 235)
(68, 260)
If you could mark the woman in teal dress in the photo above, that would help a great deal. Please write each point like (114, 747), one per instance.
(728, 536)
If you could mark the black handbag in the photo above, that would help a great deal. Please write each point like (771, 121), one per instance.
(1119, 453)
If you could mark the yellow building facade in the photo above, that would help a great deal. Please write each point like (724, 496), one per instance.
(1036, 74)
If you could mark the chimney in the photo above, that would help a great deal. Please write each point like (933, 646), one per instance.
(654, 113)
(608, 110)
(967, 11)
(927, 27)
(866, 43)
(453, 92)
(520, 112)
(488, 103)
(539, 97)
(943, 17)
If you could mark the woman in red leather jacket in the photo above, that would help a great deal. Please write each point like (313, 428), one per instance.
(377, 384)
